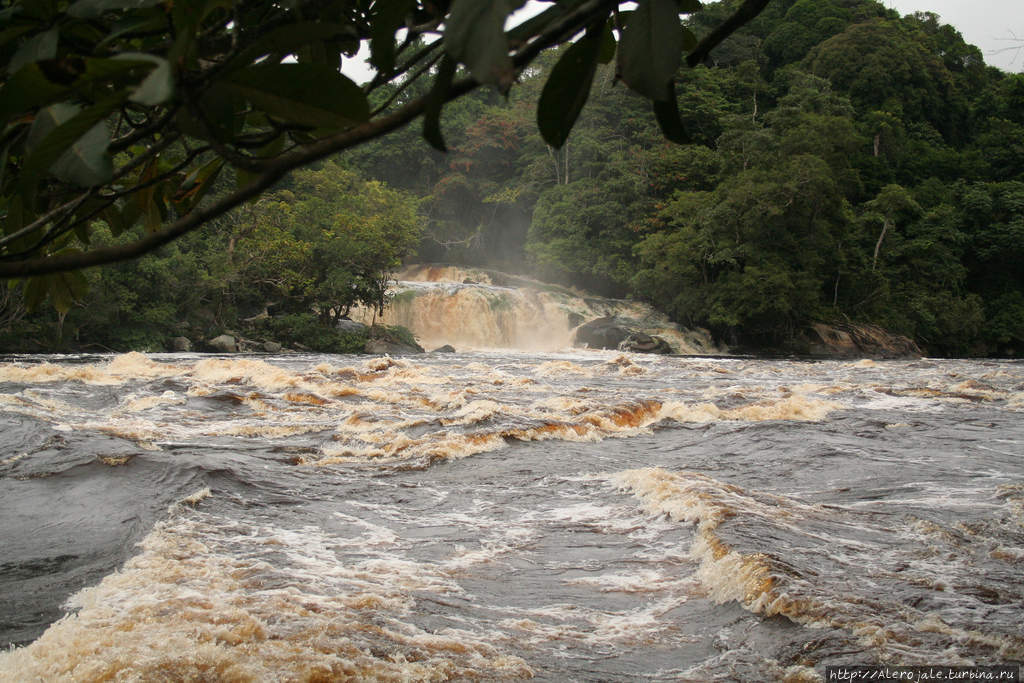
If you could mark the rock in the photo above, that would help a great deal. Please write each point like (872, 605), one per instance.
(225, 343)
(381, 347)
(181, 345)
(271, 347)
(447, 348)
(639, 342)
(602, 333)
(575, 320)
(346, 325)
(848, 340)
(393, 341)
(248, 345)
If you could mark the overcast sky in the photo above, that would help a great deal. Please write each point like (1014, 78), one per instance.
(995, 26)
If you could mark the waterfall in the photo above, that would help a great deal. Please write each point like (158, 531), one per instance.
(478, 309)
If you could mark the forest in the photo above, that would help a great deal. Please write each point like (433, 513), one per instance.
(843, 163)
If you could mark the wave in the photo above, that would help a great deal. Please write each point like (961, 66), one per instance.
(833, 572)
(199, 603)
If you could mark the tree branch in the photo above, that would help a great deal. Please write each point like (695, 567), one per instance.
(747, 11)
(274, 172)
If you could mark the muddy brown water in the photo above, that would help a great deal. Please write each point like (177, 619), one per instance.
(586, 516)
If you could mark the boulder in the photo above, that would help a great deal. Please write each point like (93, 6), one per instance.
(181, 345)
(271, 347)
(225, 343)
(849, 340)
(392, 341)
(602, 333)
(640, 342)
(447, 348)
(346, 325)
(390, 347)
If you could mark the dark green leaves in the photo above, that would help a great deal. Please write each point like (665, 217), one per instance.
(314, 95)
(64, 289)
(568, 87)
(475, 36)
(71, 143)
(651, 47)
(388, 16)
(38, 47)
(89, 9)
(158, 86)
(436, 100)
(666, 112)
(650, 53)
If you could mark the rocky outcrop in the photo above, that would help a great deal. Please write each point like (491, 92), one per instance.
(640, 342)
(613, 333)
(181, 345)
(393, 341)
(225, 343)
(849, 340)
(390, 347)
(350, 326)
(602, 333)
(447, 348)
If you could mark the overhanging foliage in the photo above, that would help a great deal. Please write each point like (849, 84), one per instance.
(127, 111)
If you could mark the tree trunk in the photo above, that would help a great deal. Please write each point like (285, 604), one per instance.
(878, 244)
(554, 161)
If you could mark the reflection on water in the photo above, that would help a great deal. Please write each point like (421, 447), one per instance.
(584, 516)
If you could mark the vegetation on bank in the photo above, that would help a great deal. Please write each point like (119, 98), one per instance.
(286, 268)
(845, 164)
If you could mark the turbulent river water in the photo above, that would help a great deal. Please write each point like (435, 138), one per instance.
(584, 515)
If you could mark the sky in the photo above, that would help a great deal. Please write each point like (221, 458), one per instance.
(995, 26)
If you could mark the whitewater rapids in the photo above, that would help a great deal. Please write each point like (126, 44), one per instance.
(497, 515)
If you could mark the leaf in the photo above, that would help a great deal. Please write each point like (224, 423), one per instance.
(690, 6)
(650, 50)
(153, 20)
(90, 9)
(221, 111)
(286, 39)
(27, 89)
(71, 144)
(475, 35)
(158, 86)
(131, 212)
(568, 87)
(689, 40)
(387, 17)
(666, 111)
(607, 53)
(196, 184)
(149, 198)
(36, 48)
(313, 95)
(64, 289)
(435, 102)
(114, 219)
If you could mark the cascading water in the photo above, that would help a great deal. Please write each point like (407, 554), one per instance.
(467, 309)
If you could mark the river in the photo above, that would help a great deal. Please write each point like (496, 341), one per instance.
(490, 515)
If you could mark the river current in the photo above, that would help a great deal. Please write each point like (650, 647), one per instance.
(575, 516)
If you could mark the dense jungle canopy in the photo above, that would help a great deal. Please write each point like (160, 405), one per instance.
(830, 160)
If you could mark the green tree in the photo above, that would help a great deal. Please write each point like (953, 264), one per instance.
(329, 242)
(127, 110)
